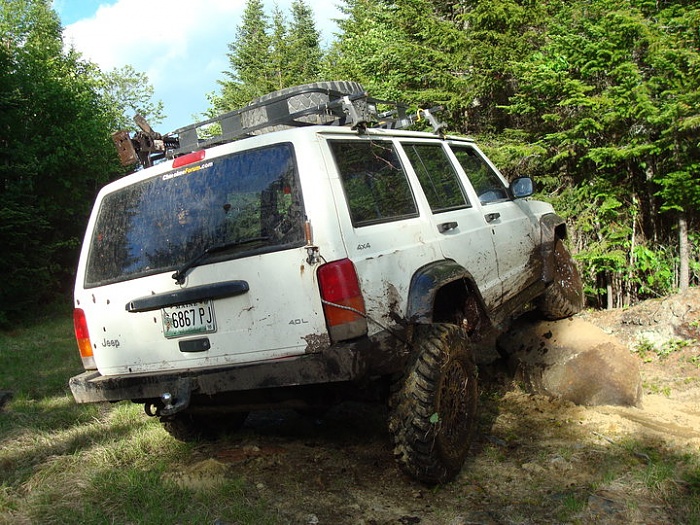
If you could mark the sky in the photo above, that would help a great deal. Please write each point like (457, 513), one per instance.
(180, 44)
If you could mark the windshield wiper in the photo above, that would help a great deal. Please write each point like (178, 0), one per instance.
(181, 273)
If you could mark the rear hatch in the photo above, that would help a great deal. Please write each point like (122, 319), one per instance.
(200, 265)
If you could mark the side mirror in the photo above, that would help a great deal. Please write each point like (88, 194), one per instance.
(522, 187)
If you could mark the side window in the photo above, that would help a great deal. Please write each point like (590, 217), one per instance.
(437, 176)
(375, 183)
(486, 182)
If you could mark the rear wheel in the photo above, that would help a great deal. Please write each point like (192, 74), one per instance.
(433, 408)
(564, 296)
(186, 426)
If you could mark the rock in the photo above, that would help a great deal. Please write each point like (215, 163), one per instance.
(572, 360)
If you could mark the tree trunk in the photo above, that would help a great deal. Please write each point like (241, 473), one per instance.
(684, 254)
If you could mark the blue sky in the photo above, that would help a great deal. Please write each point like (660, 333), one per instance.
(180, 44)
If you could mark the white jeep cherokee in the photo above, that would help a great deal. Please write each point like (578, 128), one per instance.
(339, 258)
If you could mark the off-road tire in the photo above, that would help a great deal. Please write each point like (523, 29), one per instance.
(299, 98)
(433, 407)
(185, 426)
(564, 296)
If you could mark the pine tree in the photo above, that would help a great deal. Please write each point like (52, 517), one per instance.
(612, 100)
(279, 59)
(415, 51)
(269, 55)
(250, 74)
(304, 46)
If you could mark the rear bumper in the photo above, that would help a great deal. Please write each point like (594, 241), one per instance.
(338, 363)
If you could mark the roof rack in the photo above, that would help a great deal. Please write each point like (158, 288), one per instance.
(326, 103)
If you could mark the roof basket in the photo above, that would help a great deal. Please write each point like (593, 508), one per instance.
(337, 103)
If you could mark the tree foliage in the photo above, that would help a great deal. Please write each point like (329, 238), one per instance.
(612, 97)
(129, 93)
(55, 153)
(303, 48)
(412, 51)
(269, 54)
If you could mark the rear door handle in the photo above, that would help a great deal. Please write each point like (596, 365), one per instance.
(490, 217)
(447, 226)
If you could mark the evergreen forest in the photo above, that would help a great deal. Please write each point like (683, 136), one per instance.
(597, 100)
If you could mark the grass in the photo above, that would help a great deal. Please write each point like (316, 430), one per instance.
(64, 463)
(572, 505)
(644, 348)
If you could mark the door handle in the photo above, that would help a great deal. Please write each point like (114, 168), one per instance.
(446, 226)
(490, 217)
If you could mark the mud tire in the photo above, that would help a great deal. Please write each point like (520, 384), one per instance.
(433, 407)
(185, 426)
(564, 296)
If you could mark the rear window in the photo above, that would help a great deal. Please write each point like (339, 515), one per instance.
(249, 199)
(374, 181)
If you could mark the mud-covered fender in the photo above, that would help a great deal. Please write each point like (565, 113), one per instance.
(552, 227)
(427, 281)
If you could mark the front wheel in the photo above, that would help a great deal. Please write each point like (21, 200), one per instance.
(433, 408)
(564, 296)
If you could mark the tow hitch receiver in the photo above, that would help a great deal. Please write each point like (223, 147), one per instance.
(170, 403)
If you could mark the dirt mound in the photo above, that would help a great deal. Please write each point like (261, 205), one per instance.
(656, 321)
(664, 335)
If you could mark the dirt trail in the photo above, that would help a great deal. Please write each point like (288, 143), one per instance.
(535, 461)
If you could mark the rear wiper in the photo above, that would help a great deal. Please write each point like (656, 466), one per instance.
(180, 275)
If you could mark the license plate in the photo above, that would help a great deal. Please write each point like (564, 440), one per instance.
(187, 319)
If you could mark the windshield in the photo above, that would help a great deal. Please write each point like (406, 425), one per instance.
(164, 222)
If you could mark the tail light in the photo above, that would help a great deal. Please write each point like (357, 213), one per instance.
(83, 338)
(343, 304)
(190, 158)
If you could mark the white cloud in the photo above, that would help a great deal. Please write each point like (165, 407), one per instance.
(180, 44)
(140, 33)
